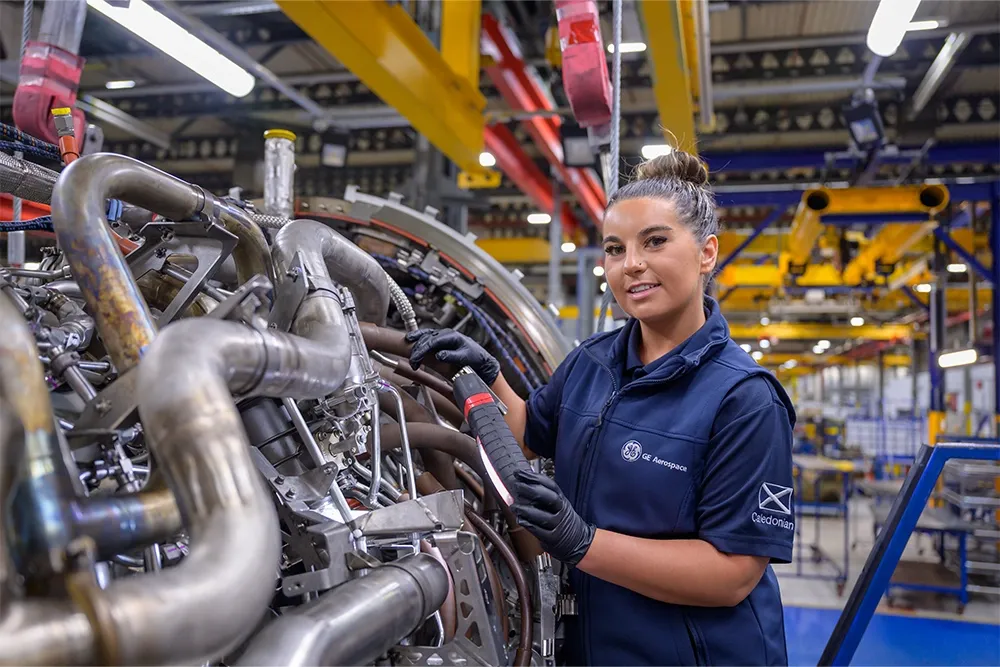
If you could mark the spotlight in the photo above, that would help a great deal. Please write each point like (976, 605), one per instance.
(757, 355)
(923, 288)
(539, 218)
(598, 271)
(745, 347)
(957, 358)
(764, 321)
(568, 246)
(764, 343)
(957, 268)
(857, 321)
(486, 159)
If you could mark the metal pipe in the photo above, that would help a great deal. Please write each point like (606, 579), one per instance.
(411, 478)
(356, 622)
(304, 432)
(375, 456)
(324, 252)
(728, 92)
(78, 214)
(215, 597)
(73, 319)
(706, 102)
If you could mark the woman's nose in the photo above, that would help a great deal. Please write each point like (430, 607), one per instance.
(634, 262)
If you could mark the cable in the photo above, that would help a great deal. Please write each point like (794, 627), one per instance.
(11, 133)
(27, 14)
(16, 147)
(42, 224)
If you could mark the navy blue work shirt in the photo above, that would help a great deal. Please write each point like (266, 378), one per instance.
(695, 445)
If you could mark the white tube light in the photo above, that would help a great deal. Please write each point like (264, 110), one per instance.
(486, 159)
(124, 84)
(539, 218)
(629, 47)
(650, 151)
(857, 321)
(923, 288)
(957, 358)
(598, 271)
(957, 268)
(568, 246)
(932, 24)
(891, 20)
(155, 28)
(824, 344)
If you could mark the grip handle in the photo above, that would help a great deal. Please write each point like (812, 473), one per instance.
(488, 426)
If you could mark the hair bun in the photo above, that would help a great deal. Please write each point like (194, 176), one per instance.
(674, 165)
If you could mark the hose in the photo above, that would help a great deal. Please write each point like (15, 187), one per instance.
(40, 224)
(26, 180)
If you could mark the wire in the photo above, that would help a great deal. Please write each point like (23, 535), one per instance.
(42, 224)
(28, 142)
(27, 13)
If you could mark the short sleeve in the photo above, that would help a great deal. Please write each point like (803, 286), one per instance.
(745, 505)
(542, 420)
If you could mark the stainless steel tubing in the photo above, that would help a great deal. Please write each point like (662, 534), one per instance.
(325, 252)
(303, 429)
(26, 179)
(78, 214)
(205, 606)
(411, 478)
(72, 318)
(375, 456)
(356, 622)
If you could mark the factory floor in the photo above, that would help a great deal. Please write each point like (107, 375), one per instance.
(921, 629)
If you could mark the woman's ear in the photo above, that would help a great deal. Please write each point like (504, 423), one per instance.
(709, 254)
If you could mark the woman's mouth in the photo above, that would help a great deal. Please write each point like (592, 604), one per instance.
(642, 290)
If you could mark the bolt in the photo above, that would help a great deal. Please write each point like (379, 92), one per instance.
(103, 406)
(167, 235)
(328, 469)
(290, 493)
(161, 252)
(279, 480)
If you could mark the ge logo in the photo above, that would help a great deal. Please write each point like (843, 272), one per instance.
(631, 451)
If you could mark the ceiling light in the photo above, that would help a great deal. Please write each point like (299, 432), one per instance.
(32, 266)
(155, 28)
(120, 85)
(824, 344)
(857, 321)
(957, 268)
(568, 246)
(629, 47)
(486, 159)
(957, 358)
(931, 24)
(791, 363)
(598, 271)
(604, 287)
(757, 355)
(650, 151)
(539, 218)
(764, 343)
(818, 349)
(891, 20)
(923, 288)
(746, 347)
(764, 321)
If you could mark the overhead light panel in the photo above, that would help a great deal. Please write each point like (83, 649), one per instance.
(890, 23)
(629, 47)
(124, 84)
(650, 151)
(539, 218)
(486, 159)
(857, 321)
(915, 26)
(957, 268)
(155, 28)
(568, 246)
(923, 288)
(598, 271)
(957, 358)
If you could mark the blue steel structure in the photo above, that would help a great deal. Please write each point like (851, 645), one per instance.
(772, 217)
(889, 544)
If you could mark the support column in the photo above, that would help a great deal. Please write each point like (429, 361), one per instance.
(995, 300)
(555, 249)
(915, 352)
(586, 290)
(881, 384)
(938, 315)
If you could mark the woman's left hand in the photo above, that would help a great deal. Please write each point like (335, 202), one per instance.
(543, 510)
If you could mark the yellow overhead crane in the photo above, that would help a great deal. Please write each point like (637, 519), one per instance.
(813, 360)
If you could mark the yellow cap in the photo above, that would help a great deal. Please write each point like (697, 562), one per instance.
(62, 111)
(280, 134)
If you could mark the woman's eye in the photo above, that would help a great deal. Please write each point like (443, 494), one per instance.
(613, 250)
(656, 241)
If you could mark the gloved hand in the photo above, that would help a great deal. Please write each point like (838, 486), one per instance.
(543, 510)
(454, 348)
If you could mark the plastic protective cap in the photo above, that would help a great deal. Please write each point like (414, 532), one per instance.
(279, 134)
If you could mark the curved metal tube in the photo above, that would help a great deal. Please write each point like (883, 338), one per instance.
(356, 622)
(72, 318)
(78, 215)
(324, 252)
(219, 592)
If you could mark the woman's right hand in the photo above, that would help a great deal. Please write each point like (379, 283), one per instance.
(451, 347)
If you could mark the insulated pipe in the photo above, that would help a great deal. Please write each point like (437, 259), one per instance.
(78, 215)
(806, 226)
(214, 598)
(324, 252)
(26, 180)
(356, 622)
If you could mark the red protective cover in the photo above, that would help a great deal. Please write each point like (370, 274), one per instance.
(584, 65)
(50, 77)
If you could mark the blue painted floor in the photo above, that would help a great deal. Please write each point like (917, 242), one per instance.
(894, 640)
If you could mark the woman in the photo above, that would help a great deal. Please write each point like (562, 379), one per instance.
(672, 449)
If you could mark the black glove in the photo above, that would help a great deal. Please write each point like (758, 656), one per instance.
(542, 509)
(454, 348)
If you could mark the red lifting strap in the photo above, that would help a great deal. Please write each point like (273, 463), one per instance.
(584, 65)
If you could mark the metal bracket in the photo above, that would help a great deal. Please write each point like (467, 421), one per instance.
(289, 293)
(153, 253)
(434, 513)
(546, 592)
(237, 304)
(335, 539)
(111, 407)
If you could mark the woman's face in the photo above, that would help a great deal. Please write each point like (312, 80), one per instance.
(652, 262)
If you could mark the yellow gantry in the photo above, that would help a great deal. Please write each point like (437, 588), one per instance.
(666, 40)
(810, 331)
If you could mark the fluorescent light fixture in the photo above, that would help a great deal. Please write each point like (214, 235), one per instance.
(650, 151)
(120, 85)
(32, 266)
(764, 343)
(957, 358)
(629, 47)
(923, 288)
(957, 268)
(746, 347)
(568, 246)
(598, 271)
(857, 321)
(757, 355)
(791, 363)
(604, 287)
(764, 321)
(155, 28)
(931, 24)
(539, 218)
(486, 159)
(890, 23)
(824, 344)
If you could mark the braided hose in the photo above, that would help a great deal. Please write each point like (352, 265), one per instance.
(265, 221)
(402, 303)
(26, 180)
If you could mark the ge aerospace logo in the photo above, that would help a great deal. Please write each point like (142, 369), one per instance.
(631, 451)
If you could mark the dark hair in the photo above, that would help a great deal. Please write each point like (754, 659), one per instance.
(682, 179)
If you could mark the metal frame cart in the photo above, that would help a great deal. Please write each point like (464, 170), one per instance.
(882, 561)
